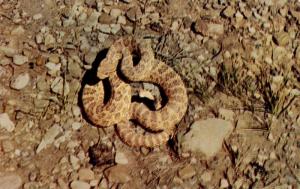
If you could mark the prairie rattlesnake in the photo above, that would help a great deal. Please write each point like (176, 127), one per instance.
(119, 109)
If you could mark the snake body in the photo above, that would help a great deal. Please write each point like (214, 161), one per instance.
(160, 124)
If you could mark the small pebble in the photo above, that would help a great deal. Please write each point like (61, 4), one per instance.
(6, 123)
(20, 82)
(37, 16)
(54, 58)
(8, 51)
(7, 146)
(121, 20)
(206, 176)
(18, 31)
(76, 126)
(121, 158)
(53, 68)
(115, 12)
(118, 174)
(224, 183)
(74, 69)
(86, 174)
(76, 111)
(75, 162)
(105, 28)
(80, 185)
(59, 87)
(49, 40)
(229, 11)
(20, 59)
(134, 13)
(115, 28)
(187, 172)
(90, 57)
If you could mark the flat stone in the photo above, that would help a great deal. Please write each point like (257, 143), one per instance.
(37, 16)
(8, 51)
(187, 172)
(54, 58)
(208, 28)
(59, 87)
(121, 20)
(105, 28)
(53, 68)
(7, 146)
(49, 40)
(74, 69)
(6, 123)
(10, 181)
(20, 81)
(76, 111)
(80, 185)
(106, 19)
(49, 137)
(20, 59)
(229, 11)
(39, 38)
(5, 61)
(118, 174)
(42, 84)
(75, 162)
(224, 183)
(134, 13)
(82, 18)
(206, 176)
(115, 28)
(115, 12)
(18, 31)
(206, 136)
(86, 174)
(90, 57)
(121, 158)
(76, 126)
(92, 20)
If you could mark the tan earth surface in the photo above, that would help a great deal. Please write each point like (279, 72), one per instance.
(240, 62)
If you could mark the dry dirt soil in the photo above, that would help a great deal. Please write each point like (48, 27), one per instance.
(240, 61)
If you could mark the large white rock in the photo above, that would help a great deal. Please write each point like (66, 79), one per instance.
(206, 136)
(6, 123)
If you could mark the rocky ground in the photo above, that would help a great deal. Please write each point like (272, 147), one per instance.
(240, 61)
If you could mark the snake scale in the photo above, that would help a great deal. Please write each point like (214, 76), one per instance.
(159, 124)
